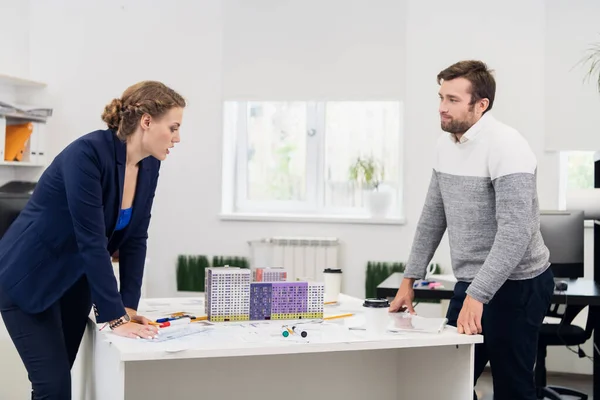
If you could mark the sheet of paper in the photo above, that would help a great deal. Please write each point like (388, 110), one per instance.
(405, 322)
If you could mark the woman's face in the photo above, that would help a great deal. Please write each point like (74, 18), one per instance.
(162, 133)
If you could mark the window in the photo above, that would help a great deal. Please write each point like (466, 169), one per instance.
(576, 172)
(295, 157)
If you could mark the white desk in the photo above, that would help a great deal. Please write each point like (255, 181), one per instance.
(228, 362)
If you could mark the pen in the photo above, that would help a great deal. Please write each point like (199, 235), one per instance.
(173, 318)
(337, 316)
(178, 321)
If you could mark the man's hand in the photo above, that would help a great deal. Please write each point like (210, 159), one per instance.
(469, 319)
(404, 297)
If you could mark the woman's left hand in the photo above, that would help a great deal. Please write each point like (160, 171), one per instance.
(141, 319)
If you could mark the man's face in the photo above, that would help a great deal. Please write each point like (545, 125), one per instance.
(456, 113)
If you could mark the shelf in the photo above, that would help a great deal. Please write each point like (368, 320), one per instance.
(20, 82)
(19, 164)
(22, 117)
(335, 219)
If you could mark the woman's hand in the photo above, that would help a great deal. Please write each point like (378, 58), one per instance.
(131, 312)
(139, 327)
(143, 321)
(137, 330)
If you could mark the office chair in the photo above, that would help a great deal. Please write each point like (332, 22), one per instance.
(568, 335)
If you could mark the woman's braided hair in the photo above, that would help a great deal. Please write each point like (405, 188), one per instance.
(146, 97)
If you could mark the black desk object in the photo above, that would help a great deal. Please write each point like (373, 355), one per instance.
(583, 292)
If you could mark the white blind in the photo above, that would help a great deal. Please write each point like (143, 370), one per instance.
(572, 106)
(313, 49)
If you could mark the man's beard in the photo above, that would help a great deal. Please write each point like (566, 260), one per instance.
(454, 126)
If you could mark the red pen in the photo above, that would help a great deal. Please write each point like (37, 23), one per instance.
(179, 321)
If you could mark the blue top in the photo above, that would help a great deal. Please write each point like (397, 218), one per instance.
(124, 217)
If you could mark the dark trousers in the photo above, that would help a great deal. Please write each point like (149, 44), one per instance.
(511, 323)
(48, 342)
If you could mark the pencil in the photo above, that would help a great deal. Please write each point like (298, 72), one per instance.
(202, 318)
(330, 302)
(149, 322)
(338, 316)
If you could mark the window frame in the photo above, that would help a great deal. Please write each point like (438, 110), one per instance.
(235, 163)
(564, 175)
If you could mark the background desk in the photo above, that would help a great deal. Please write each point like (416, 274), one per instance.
(583, 292)
(387, 366)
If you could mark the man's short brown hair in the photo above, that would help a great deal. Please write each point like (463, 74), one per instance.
(483, 84)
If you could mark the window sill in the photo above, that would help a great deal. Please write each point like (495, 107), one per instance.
(308, 218)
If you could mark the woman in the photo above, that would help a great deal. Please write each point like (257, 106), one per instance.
(55, 259)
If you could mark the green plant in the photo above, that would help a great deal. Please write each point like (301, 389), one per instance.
(592, 59)
(378, 272)
(191, 272)
(367, 171)
(221, 261)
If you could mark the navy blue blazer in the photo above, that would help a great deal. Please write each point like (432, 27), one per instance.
(67, 230)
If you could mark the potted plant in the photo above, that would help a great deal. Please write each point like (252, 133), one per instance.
(369, 174)
(593, 64)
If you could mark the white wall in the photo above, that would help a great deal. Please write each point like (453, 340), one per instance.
(14, 31)
(89, 53)
(14, 59)
(313, 49)
(572, 102)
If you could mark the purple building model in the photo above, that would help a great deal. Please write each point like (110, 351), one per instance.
(260, 300)
(290, 300)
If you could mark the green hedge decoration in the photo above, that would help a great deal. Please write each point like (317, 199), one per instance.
(221, 261)
(191, 270)
(378, 272)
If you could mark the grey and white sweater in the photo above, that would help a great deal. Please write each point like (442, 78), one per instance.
(483, 191)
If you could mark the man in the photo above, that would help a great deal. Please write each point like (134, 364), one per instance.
(483, 189)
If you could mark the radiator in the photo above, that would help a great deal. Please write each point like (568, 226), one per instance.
(303, 258)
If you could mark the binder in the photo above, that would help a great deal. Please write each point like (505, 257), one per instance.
(37, 144)
(17, 137)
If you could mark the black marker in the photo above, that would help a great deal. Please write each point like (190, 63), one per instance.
(302, 333)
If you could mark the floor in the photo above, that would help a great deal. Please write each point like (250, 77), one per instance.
(577, 382)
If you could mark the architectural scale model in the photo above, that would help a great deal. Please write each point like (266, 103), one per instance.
(227, 294)
(231, 296)
(269, 275)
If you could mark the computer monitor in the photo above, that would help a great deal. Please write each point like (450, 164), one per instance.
(563, 234)
(10, 208)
